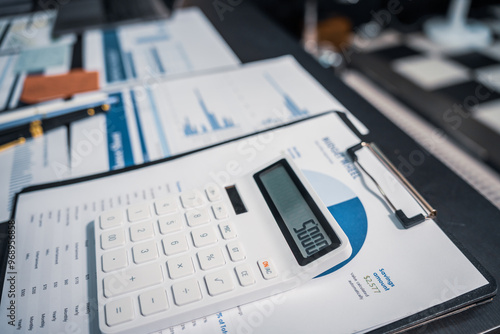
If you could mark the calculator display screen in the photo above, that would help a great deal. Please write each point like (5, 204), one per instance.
(307, 231)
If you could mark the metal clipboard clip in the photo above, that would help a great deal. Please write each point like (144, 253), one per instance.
(406, 221)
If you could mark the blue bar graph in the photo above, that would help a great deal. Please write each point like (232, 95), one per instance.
(215, 125)
(120, 153)
(115, 69)
(289, 103)
(189, 129)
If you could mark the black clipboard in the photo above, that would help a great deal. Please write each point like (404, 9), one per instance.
(463, 302)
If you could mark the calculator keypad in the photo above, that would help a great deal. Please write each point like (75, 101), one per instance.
(196, 217)
(235, 250)
(119, 311)
(227, 230)
(175, 244)
(112, 239)
(219, 282)
(181, 266)
(165, 205)
(211, 258)
(111, 219)
(175, 237)
(153, 301)
(132, 280)
(138, 212)
(204, 236)
(186, 292)
(245, 275)
(144, 252)
(114, 260)
(141, 231)
(213, 193)
(170, 224)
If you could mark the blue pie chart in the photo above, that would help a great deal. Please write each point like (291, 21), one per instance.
(345, 207)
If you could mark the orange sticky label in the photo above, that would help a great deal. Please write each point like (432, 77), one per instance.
(40, 88)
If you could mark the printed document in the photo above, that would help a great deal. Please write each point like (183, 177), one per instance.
(147, 123)
(142, 52)
(28, 48)
(183, 44)
(391, 274)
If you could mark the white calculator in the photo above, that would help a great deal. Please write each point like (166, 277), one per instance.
(189, 255)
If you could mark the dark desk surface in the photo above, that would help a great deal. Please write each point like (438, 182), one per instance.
(463, 212)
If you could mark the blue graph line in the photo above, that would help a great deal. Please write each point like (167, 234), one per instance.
(212, 120)
(289, 103)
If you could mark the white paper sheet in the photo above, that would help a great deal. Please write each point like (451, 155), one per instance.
(28, 47)
(392, 273)
(30, 163)
(192, 38)
(147, 123)
(187, 42)
(142, 52)
(31, 30)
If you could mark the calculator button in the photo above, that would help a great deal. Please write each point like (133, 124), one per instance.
(220, 211)
(180, 267)
(132, 279)
(219, 282)
(213, 193)
(111, 219)
(227, 230)
(138, 212)
(197, 217)
(211, 258)
(267, 269)
(170, 223)
(245, 275)
(165, 205)
(153, 301)
(114, 260)
(175, 244)
(186, 292)
(204, 236)
(119, 311)
(144, 252)
(141, 231)
(191, 199)
(236, 252)
(112, 239)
